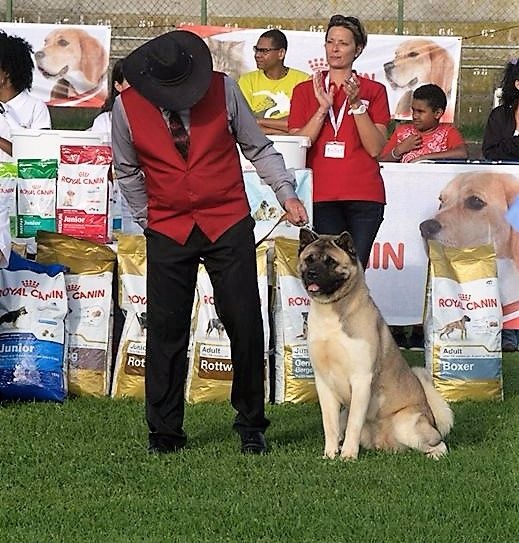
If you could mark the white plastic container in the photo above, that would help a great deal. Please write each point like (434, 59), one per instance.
(37, 144)
(293, 149)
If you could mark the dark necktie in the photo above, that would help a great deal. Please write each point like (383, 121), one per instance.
(179, 133)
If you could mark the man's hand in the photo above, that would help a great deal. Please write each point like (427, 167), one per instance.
(296, 212)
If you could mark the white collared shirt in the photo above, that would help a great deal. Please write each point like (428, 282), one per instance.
(22, 111)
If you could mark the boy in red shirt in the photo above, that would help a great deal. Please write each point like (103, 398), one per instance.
(425, 137)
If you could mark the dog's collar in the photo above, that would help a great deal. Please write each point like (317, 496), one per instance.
(79, 99)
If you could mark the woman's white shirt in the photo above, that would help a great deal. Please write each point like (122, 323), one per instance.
(103, 124)
(22, 111)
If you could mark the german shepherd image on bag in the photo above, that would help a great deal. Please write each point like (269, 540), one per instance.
(368, 394)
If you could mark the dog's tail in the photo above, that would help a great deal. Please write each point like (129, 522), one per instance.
(441, 411)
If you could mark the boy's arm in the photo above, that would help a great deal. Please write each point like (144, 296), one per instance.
(456, 148)
(459, 152)
(389, 154)
(395, 150)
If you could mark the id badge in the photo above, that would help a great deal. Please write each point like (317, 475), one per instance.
(334, 149)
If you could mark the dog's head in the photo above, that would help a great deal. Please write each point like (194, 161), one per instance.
(327, 265)
(472, 213)
(417, 62)
(74, 55)
(465, 318)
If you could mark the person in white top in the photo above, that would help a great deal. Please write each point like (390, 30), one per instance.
(103, 122)
(18, 109)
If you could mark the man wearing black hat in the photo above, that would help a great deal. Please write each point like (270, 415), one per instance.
(174, 137)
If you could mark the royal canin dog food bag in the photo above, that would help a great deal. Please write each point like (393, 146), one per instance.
(463, 323)
(33, 306)
(128, 378)
(294, 375)
(210, 364)
(88, 323)
(36, 204)
(83, 189)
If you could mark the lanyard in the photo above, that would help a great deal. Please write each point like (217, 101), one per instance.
(336, 123)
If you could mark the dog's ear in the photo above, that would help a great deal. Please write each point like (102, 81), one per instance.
(442, 68)
(94, 58)
(306, 237)
(345, 242)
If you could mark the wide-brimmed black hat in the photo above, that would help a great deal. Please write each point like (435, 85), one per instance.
(172, 71)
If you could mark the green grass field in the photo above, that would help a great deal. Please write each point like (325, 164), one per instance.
(80, 472)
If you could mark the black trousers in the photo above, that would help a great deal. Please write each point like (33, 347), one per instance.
(171, 281)
(361, 219)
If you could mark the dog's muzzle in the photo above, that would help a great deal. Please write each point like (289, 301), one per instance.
(430, 228)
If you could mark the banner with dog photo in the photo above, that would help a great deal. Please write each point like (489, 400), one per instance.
(474, 200)
(71, 62)
(401, 63)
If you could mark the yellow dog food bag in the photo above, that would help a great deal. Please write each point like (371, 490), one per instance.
(128, 379)
(210, 365)
(294, 375)
(463, 323)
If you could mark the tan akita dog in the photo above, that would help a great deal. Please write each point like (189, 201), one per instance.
(358, 367)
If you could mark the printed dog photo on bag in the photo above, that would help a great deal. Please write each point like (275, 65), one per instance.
(304, 333)
(368, 394)
(142, 319)
(215, 325)
(455, 325)
(11, 317)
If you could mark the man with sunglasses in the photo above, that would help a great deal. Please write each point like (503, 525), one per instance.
(269, 88)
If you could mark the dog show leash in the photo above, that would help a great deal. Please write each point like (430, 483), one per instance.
(276, 224)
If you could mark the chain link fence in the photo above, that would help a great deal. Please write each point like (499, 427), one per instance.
(490, 30)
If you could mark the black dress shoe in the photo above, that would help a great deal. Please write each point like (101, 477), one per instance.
(253, 442)
(160, 443)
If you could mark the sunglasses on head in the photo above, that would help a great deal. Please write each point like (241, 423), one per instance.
(341, 19)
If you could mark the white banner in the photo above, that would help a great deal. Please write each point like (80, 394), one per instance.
(401, 63)
(71, 62)
(475, 199)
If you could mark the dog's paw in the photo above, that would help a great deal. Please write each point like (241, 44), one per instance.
(437, 451)
(349, 453)
(330, 454)
(349, 458)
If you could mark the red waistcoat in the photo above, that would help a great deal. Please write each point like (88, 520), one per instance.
(208, 188)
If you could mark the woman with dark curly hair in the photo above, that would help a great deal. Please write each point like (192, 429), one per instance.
(18, 109)
(501, 142)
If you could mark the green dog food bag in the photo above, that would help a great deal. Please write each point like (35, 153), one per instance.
(8, 182)
(36, 204)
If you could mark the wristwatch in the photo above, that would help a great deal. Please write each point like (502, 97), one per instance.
(359, 110)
